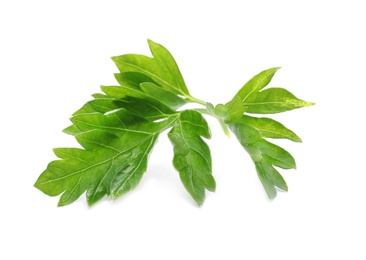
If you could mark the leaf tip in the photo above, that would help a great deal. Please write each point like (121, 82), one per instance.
(115, 60)
(271, 194)
(90, 203)
(60, 204)
(152, 44)
(297, 139)
(38, 185)
(306, 104)
(198, 199)
(199, 204)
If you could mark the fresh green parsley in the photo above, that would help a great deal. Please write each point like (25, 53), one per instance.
(119, 128)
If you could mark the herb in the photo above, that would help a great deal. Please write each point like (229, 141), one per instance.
(118, 129)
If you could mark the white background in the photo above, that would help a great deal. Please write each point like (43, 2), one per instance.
(55, 54)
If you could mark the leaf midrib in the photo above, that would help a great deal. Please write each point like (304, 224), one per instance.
(96, 164)
(294, 102)
(154, 75)
(270, 131)
(255, 88)
(148, 149)
(109, 127)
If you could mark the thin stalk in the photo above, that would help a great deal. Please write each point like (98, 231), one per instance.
(196, 100)
(222, 124)
(224, 127)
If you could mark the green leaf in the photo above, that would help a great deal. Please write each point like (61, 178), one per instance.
(257, 83)
(117, 130)
(98, 95)
(192, 158)
(114, 158)
(166, 97)
(99, 105)
(269, 128)
(71, 130)
(164, 57)
(148, 110)
(153, 103)
(132, 79)
(280, 157)
(273, 100)
(270, 177)
(153, 110)
(265, 155)
(231, 111)
(162, 69)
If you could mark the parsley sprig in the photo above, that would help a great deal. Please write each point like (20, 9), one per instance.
(118, 129)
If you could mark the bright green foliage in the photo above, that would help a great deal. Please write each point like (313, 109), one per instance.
(192, 157)
(116, 148)
(162, 68)
(256, 83)
(269, 128)
(118, 129)
(269, 101)
(231, 111)
(273, 100)
(250, 132)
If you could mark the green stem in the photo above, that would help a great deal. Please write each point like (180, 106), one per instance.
(196, 100)
(204, 111)
(222, 124)
(224, 127)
